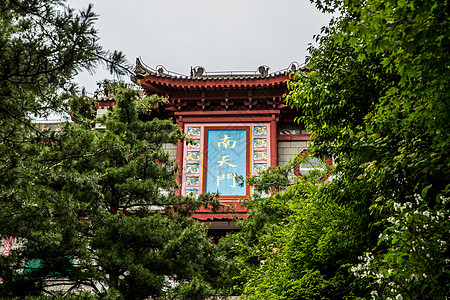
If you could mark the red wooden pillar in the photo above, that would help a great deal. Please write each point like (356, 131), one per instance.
(273, 142)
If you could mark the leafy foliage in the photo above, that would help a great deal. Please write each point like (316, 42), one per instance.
(298, 243)
(415, 263)
(376, 100)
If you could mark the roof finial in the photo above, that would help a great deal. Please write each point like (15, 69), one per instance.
(263, 71)
(198, 71)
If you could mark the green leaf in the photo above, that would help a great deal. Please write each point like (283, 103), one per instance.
(425, 191)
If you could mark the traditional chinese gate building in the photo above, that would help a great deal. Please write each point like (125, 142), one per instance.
(237, 123)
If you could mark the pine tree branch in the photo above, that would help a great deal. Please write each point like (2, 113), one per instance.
(75, 156)
(23, 122)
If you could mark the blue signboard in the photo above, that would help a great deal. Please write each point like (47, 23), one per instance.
(226, 159)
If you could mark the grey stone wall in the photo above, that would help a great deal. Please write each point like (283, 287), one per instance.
(289, 149)
(172, 149)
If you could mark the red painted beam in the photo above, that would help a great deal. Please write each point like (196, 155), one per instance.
(221, 113)
(231, 118)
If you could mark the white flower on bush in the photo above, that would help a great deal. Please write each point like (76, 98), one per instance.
(414, 277)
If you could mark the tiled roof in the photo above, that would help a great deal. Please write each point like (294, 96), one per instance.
(200, 74)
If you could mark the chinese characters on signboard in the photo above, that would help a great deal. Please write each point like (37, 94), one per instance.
(226, 159)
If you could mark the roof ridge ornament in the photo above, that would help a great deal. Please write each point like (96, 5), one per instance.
(293, 67)
(263, 71)
(197, 71)
(161, 70)
(141, 69)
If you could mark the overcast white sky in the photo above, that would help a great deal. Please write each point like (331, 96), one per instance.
(220, 35)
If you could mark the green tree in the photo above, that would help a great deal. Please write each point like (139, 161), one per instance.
(43, 44)
(376, 99)
(113, 221)
(402, 144)
(89, 209)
